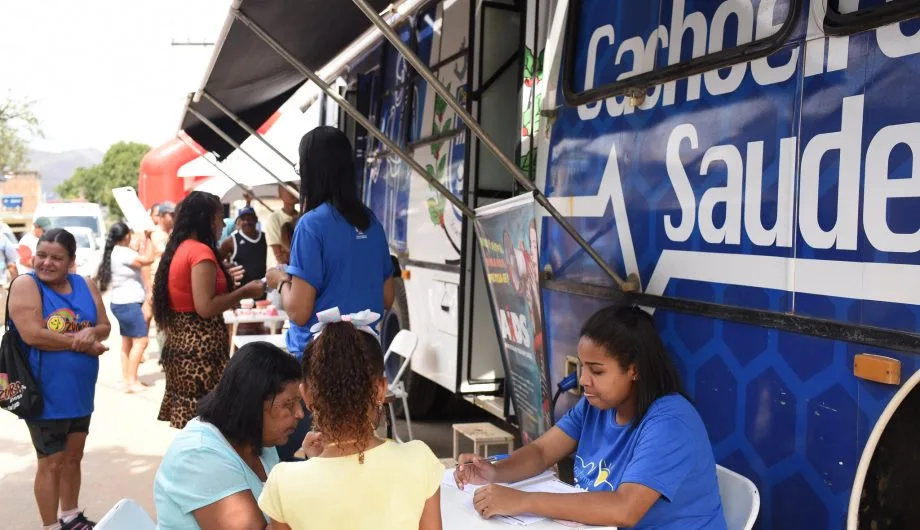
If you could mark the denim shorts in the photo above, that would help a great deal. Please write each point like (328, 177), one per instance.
(130, 319)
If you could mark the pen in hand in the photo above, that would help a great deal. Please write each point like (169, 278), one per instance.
(489, 459)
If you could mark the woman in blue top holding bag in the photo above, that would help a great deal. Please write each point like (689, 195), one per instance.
(339, 254)
(642, 454)
(62, 323)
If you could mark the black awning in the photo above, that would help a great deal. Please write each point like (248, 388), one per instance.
(253, 81)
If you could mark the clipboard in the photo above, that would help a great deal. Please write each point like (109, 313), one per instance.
(134, 212)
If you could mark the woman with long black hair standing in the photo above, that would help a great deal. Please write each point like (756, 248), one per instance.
(190, 293)
(120, 270)
(339, 254)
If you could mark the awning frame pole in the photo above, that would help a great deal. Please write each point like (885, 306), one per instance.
(354, 113)
(225, 137)
(626, 285)
(245, 126)
(246, 188)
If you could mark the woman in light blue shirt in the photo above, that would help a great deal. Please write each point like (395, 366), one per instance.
(214, 470)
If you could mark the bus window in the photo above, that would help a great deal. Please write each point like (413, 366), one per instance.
(623, 47)
(843, 17)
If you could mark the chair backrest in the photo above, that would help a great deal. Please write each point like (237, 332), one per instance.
(740, 499)
(126, 515)
(404, 344)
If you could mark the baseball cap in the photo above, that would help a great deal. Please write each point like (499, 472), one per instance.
(166, 207)
(42, 222)
(246, 210)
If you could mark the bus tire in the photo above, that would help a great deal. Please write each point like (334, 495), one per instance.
(425, 397)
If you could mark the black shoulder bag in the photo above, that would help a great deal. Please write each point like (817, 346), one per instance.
(19, 389)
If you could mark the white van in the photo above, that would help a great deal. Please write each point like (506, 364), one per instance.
(67, 214)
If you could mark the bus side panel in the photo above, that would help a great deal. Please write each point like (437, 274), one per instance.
(386, 188)
(758, 197)
(433, 233)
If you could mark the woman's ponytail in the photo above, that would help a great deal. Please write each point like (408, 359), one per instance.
(116, 235)
(343, 366)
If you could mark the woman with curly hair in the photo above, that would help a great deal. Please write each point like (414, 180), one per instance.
(344, 387)
(190, 293)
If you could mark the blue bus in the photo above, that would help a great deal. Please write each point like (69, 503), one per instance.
(750, 164)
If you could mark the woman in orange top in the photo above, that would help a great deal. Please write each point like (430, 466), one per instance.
(190, 294)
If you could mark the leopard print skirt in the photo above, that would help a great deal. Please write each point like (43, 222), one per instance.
(193, 358)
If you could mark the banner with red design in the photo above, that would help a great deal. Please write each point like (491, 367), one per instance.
(509, 244)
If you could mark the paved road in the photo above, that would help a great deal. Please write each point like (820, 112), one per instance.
(126, 443)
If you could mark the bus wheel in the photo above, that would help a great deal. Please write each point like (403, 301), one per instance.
(425, 396)
(889, 470)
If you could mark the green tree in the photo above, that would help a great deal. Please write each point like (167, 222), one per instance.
(17, 125)
(119, 168)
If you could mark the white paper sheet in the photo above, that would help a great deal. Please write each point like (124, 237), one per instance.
(131, 207)
(545, 482)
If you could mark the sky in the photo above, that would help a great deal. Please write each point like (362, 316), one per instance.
(103, 71)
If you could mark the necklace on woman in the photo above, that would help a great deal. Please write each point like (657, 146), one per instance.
(349, 442)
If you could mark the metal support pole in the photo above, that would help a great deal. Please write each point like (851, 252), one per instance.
(351, 111)
(224, 173)
(225, 137)
(477, 130)
(236, 119)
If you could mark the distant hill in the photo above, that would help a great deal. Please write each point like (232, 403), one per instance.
(55, 168)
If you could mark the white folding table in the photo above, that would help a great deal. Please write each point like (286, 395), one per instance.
(456, 515)
(277, 339)
(274, 322)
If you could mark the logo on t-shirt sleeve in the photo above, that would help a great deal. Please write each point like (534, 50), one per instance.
(65, 321)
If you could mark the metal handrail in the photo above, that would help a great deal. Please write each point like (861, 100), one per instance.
(226, 137)
(351, 111)
(245, 126)
(422, 69)
(247, 189)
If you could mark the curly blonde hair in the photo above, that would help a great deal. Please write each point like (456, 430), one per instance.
(343, 367)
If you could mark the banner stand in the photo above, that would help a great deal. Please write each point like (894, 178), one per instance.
(509, 247)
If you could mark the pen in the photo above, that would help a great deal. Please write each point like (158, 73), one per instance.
(489, 459)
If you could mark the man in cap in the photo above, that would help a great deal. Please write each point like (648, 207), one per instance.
(277, 219)
(163, 216)
(246, 246)
(29, 243)
(165, 221)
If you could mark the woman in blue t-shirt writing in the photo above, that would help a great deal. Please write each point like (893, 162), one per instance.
(339, 254)
(641, 450)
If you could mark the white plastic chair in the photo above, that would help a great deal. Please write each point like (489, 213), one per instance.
(404, 344)
(740, 499)
(126, 515)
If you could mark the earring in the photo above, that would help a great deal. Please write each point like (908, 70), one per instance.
(635, 378)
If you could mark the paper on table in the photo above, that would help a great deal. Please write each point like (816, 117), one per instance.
(448, 480)
(545, 482)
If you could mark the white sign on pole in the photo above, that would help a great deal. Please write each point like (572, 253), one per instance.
(135, 214)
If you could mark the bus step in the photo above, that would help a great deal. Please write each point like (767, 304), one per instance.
(494, 405)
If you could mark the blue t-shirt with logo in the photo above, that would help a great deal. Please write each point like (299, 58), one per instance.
(67, 378)
(669, 452)
(346, 266)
